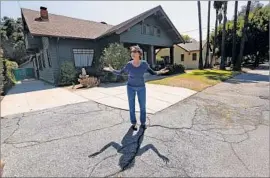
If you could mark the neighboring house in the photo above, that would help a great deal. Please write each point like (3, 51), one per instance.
(187, 54)
(53, 39)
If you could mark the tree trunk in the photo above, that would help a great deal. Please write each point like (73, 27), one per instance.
(242, 47)
(234, 34)
(200, 32)
(222, 64)
(215, 39)
(206, 64)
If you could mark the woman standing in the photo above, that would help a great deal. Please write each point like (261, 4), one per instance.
(136, 84)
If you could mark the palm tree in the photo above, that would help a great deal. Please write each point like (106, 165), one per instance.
(200, 32)
(222, 63)
(239, 61)
(217, 7)
(206, 64)
(234, 33)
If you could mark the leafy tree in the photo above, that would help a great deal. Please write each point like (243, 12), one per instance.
(257, 36)
(217, 6)
(239, 61)
(117, 56)
(234, 33)
(12, 39)
(254, 5)
(187, 38)
(2, 78)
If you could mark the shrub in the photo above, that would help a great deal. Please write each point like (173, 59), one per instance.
(175, 69)
(67, 74)
(2, 78)
(9, 78)
(117, 56)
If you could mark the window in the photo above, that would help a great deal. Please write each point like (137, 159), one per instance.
(158, 32)
(49, 58)
(83, 57)
(143, 29)
(194, 56)
(152, 30)
(148, 31)
(182, 57)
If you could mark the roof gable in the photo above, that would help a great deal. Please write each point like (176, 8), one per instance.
(194, 46)
(120, 28)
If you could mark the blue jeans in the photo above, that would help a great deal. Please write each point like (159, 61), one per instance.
(141, 93)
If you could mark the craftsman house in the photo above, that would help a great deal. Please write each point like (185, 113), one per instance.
(52, 39)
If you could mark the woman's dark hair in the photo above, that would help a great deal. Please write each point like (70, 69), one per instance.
(138, 49)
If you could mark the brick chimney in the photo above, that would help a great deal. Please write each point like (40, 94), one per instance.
(44, 13)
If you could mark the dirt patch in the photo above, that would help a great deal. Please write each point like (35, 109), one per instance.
(192, 84)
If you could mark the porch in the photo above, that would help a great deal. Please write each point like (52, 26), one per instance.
(149, 53)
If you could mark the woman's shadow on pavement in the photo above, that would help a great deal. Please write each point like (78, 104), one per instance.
(130, 148)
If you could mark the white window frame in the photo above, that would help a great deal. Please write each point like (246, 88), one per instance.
(83, 57)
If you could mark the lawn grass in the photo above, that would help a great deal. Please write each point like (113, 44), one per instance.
(197, 80)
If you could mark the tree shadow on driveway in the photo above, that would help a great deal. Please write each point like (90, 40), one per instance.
(248, 78)
(130, 148)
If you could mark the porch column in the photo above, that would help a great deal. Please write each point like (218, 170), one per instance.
(152, 52)
(151, 55)
(154, 57)
(171, 55)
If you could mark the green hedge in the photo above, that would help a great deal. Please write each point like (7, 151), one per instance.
(175, 69)
(8, 76)
(67, 74)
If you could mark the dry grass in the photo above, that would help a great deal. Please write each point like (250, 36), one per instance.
(197, 80)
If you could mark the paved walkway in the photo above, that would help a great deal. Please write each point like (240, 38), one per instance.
(115, 95)
(36, 95)
(222, 131)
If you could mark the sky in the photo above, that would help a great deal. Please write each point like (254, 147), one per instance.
(183, 14)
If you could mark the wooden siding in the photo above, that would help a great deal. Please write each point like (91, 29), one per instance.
(134, 35)
(32, 42)
(62, 50)
(54, 58)
(46, 73)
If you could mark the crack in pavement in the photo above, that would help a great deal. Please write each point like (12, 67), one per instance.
(170, 153)
(87, 112)
(56, 139)
(164, 141)
(178, 128)
(238, 157)
(95, 166)
(15, 130)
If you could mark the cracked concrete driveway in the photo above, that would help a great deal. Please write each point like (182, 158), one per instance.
(220, 132)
